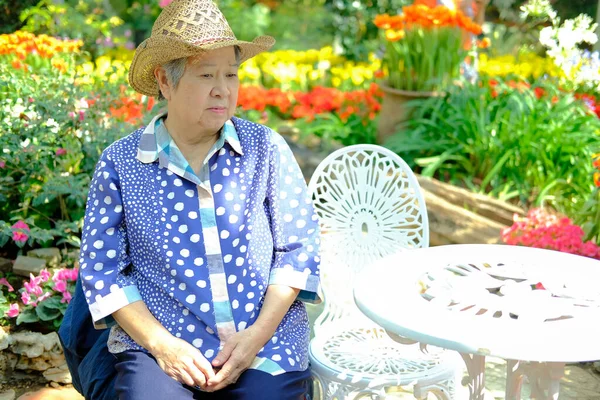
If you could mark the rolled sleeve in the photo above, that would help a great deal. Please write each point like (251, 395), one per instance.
(104, 253)
(294, 225)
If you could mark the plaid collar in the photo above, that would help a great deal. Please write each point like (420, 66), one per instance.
(157, 143)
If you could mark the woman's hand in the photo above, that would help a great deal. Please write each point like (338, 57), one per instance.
(183, 362)
(237, 355)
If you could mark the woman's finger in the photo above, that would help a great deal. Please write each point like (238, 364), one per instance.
(224, 354)
(184, 377)
(203, 365)
(196, 374)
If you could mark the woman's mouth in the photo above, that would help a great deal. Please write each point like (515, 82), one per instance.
(218, 110)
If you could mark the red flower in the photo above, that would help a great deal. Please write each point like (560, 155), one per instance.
(61, 152)
(539, 92)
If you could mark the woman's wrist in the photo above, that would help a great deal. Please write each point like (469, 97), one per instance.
(157, 341)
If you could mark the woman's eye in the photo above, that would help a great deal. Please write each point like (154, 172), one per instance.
(232, 75)
(207, 76)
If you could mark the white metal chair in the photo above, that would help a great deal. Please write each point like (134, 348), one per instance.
(369, 204)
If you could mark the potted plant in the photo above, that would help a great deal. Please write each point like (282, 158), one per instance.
(424, 48)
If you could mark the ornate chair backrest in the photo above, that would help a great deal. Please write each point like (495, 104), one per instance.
(370, 204)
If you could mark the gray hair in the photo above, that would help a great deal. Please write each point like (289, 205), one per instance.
(174, 69)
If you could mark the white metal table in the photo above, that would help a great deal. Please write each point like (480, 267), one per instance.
(538, 309)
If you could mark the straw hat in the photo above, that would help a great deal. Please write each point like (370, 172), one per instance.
(186, 28)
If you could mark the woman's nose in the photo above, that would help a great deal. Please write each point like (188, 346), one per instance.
(220, 89)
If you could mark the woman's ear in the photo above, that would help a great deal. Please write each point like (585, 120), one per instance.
(163, 82)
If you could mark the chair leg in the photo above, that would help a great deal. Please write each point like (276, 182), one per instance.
(444, 390)
(328, 389)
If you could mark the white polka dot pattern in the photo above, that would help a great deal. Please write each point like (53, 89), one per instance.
(150, 233)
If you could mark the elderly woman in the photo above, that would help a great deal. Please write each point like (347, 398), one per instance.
(200, 243)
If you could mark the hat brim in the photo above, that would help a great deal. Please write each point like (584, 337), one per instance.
(156, 51)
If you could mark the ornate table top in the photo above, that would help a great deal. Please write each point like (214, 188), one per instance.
(511, 302)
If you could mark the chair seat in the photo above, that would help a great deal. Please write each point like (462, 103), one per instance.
(368, 357)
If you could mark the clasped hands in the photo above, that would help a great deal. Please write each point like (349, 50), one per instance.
(186, 364)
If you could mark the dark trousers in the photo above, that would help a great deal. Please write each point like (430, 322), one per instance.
(92, 367)
(140, 378)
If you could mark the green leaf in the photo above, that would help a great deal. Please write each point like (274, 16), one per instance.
(495, 170)
(27, 316)
(52, 303)
(45, 313)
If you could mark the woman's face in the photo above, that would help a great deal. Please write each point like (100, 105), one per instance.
(207, 93)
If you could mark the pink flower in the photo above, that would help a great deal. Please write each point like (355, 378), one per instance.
(71, 114)
(43, 297)
(44, 275)
(164, 3)
(547, 231)
(4, 282)
(19, 235)
(81, 115)
(66, 297)
(61, 152)
(2, 164)
(25, 298)
(31, 100)
(72, 274)
(66, 274)
(13, 311)
(21, 225)
(60, 286)
(33, 286)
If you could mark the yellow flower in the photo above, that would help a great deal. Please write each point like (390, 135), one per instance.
(115, 21)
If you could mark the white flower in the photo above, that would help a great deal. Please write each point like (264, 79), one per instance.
(547, 37)
(17, 110)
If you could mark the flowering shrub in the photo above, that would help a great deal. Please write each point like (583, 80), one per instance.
(44, 298)
(544, 230)
(361, 103)
(527, 66)
(521, 142)
(589, 215)
(304, 70)
(565, 43)
(22, 43)
(53, 129)
(425, 46)
(8, 305)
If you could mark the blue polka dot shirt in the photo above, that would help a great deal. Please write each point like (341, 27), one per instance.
(201, 249)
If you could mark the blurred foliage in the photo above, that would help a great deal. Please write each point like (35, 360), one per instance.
(353, 29)
(9, 14)
(508, 10)
(87, 20)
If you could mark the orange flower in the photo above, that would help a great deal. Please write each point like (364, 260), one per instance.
(426, 14)
(597, 178)
(596, 160)
(427, 3)
(17, 64)
(23, 43)
(59, 64)
(484, 43)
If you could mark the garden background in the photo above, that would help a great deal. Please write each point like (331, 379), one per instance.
(519, 125)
